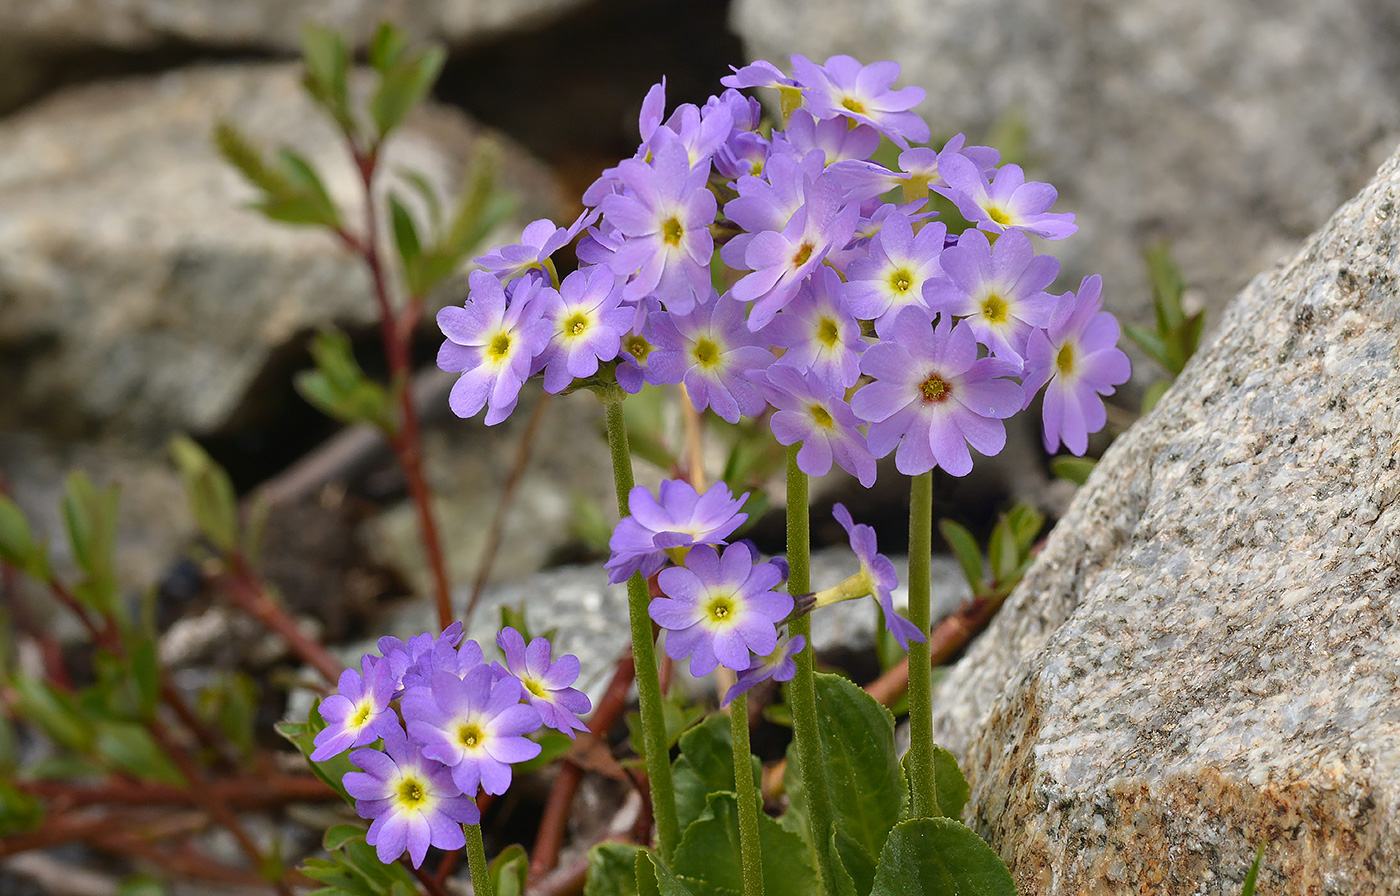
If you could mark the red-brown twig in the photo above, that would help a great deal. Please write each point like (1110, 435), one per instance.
(243, 792)
(550, 838)
(247, 593)
(498, 520)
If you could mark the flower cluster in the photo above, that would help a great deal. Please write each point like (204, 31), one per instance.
(833, 274)
(460, 724)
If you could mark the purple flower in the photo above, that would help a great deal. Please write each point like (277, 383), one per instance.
(664, 220)
(878, 575)
(476, 726)
(819, 332)
(920, 164)
(408, 658)
(757, 74)
(1004, 203)
(720, 608)
(1080, 360)
(1000, 289)
(711, 351)
(411, 799)
(356, 714)
(778, 665)
(538, 242)
(682, 518)
(862, 93)
(546, 684)
(932, 396)
(833, 137)
(782, 260)
(811, 412)
(588, 322)
(493, 342)
(894, 274)
(768, 202)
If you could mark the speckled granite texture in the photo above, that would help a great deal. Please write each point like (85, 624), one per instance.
(1207, 654)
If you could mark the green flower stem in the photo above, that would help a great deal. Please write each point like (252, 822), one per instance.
(658, 755)
(749, 851)
(802, 691)
(476, 861)
(925, 800)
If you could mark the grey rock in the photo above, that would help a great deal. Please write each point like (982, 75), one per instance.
(1230, 129)
(260, 24)
(1204, 656)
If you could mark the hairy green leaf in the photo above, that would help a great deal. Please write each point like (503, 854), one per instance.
(1075, 469)
(965, 549)
(403, 85)
(612, 870)
(705, 766)
(939, 857)
(708, 855)
(209, 490)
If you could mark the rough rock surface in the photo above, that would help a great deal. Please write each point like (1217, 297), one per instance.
(259, 24)
(1206, 656)
(1232, 129)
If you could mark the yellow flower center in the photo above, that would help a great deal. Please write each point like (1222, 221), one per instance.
(672, 231)
(637, 347)
(995, 309)
(470, 735)
(361, 716)
(1064, 359)
(499, 347)
(535, 688)
(902, 280)
(706, 352)
(935, 390)
(802, 255)
(828, 333)
(822, 416)
(999, 215)
(411, 793)
(852, 104)
(720, 608)
(576, 324)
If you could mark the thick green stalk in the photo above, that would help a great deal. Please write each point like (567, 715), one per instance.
(802, 691)
(749, 852)
(658, 758)
(476, 862)
(921, 774)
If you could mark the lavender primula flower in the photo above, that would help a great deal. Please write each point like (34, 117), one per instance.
(767, 202)
(832, 137)
(920, 164)
(411, 800)
(663, 219)
(862, 93)
(538, 242)
(712, 352)
(879, 574)
(781, 261)
(778, 665)
(999, 289)
(1007, 202)
(1078, 360)
(546, 684)
(894, 275)
(680, 517)
(821, 335)
(811, 412)
(493, 342)
(406, 658)
(476, 726)
(720, 609)
(356, 714)
(933, 396)
(588, 320)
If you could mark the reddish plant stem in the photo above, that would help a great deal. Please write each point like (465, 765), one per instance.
(247, 593)
(396, 331)
(243, 792)
(550, 838)
(498, 520)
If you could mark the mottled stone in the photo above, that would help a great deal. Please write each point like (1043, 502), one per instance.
(1206, 656)
(1228, 127)
(258, 24)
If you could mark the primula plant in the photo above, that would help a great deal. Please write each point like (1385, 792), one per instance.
(816, 286)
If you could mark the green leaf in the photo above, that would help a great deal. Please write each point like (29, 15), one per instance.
(952, 788)
(54, 712)
(142, 885)
(1149, 342)
(90, 517)
(340, 389)
(1001, 551)
(230, 703)
(553, 744)
(128, 747)
(1025, 522)
(340, 834)
(19, 812)
(859, 761)
(1252, 877)
(17, 546)
(213, 503)
(852, 859)
(1075, 469)
(327, 61)
(405, 238)
(965, 549)
(1167, 286)
(708, 854)
(677, 715)
(612, 870)
(939, 857)
(402, 86)
(303, 736)
(387, 46)
(841, 882)
(240, 152)
(509, 870)
(705, 766)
